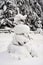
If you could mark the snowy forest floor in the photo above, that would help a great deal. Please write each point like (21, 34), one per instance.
(7, 59)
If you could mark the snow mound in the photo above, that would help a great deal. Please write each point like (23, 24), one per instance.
(21, 28)
(21, 45)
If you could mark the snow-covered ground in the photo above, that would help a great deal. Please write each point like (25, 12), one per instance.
(7, 59)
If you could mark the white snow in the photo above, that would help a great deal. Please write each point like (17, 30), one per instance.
(5, 40)
(30, 52)
(21, 28)
(21, 47)
(9, 59)
(19, 17)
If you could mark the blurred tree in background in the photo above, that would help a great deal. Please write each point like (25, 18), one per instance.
(32, 8)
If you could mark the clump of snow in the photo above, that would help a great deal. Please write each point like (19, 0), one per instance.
(20, 39)
(21, 34)
(19, 17)
(39, 30)
(18, 52)
(5, 7)
(22, 29)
